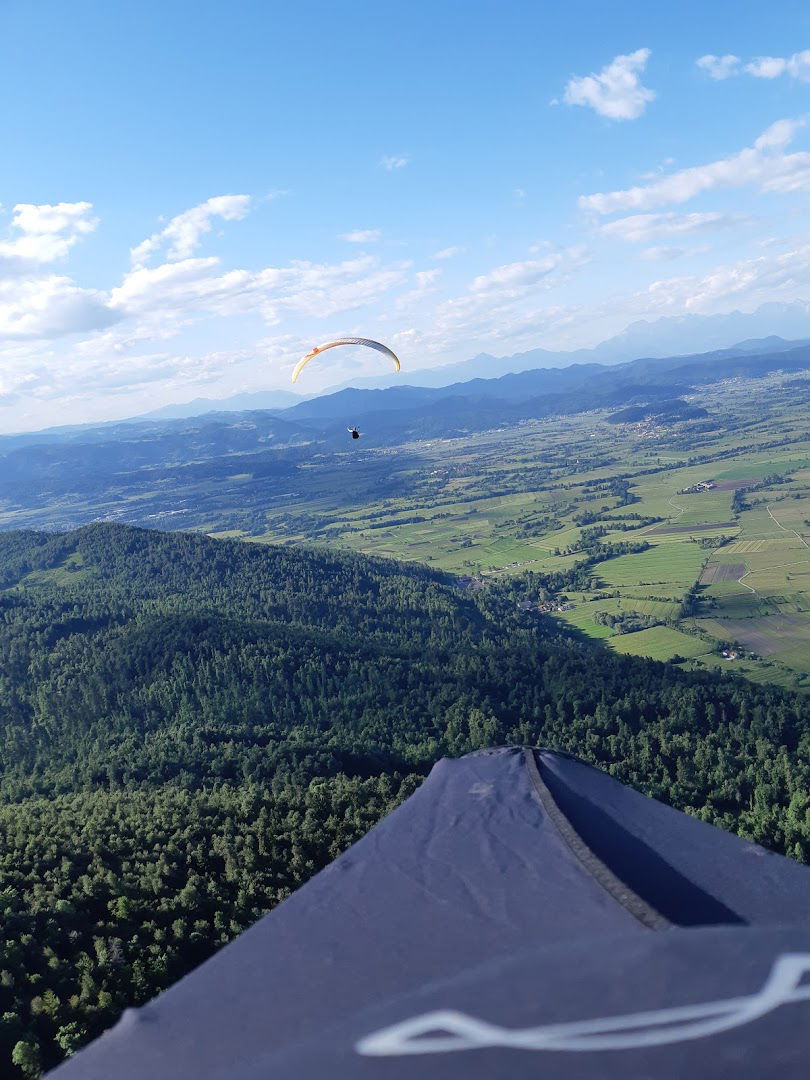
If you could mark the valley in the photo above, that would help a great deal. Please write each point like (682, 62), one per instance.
(725, 568)
(682, 539)
(352, 615)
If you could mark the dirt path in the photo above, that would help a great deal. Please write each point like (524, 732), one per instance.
(776, 566)
(680, 509)
(744, 585)
(798, 535)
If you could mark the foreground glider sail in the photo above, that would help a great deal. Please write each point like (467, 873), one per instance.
(299, 367)
(566, 926)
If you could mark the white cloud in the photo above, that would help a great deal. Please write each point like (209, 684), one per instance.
(764, 165)
(46, 220)
(766, 67)
(643, 228)
(447, 253)
(178, 285)
(766, 277)
(719, 67)
(49, 307)
(159, 302)
(325, 300)
(425, 278)
(183, 233)
(395, 161)
(495, 301)
(425, 286)
(796, 66)
(44, 233)
(516, 277)
(361, 236)
(196, 288)
(616, 91)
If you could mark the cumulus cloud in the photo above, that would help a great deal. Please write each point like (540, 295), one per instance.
(172, 286)
(50, 307)
(113, 356)
(41, 234)
(644, 228)
(447, 253)
(796, 66)
(183, 233)
(361, 236)
(616, 91)
(719, 67)
(195, 288)
(394, 161)
(159, 301)
(764, 165)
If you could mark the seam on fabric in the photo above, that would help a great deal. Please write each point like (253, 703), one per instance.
(635, 905)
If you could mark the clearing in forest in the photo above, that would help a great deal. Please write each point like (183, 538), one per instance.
(660, 643)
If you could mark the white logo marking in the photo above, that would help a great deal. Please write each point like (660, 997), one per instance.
(656, 1028)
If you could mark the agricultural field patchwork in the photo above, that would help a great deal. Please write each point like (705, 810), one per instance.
(766, 636)
(668, 540)
(702, 534)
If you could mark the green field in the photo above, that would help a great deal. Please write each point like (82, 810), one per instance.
(675, 564)
(660, 643)
(542, 529)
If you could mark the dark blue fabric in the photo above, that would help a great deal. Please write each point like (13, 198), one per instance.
(464, 881)
(755, 885)
(597, 981)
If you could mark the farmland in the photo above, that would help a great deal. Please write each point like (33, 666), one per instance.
(723, 569)
(683, 540)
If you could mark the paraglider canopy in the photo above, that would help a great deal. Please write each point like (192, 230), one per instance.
(299, 367)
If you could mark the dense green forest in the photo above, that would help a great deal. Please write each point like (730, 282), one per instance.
(190, 728)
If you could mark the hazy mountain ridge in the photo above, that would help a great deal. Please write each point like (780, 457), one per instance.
(407, 412)
(255, 400)
(143, 453)
(664, 337)
(771, 327)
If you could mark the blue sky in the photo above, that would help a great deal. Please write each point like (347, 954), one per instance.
(193, 194)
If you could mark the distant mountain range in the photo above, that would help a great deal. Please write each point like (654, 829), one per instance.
(676, 335)
(144, 469)
(261, 399)
(400, 414)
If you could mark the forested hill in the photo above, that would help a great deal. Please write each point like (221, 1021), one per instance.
(191, 728)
